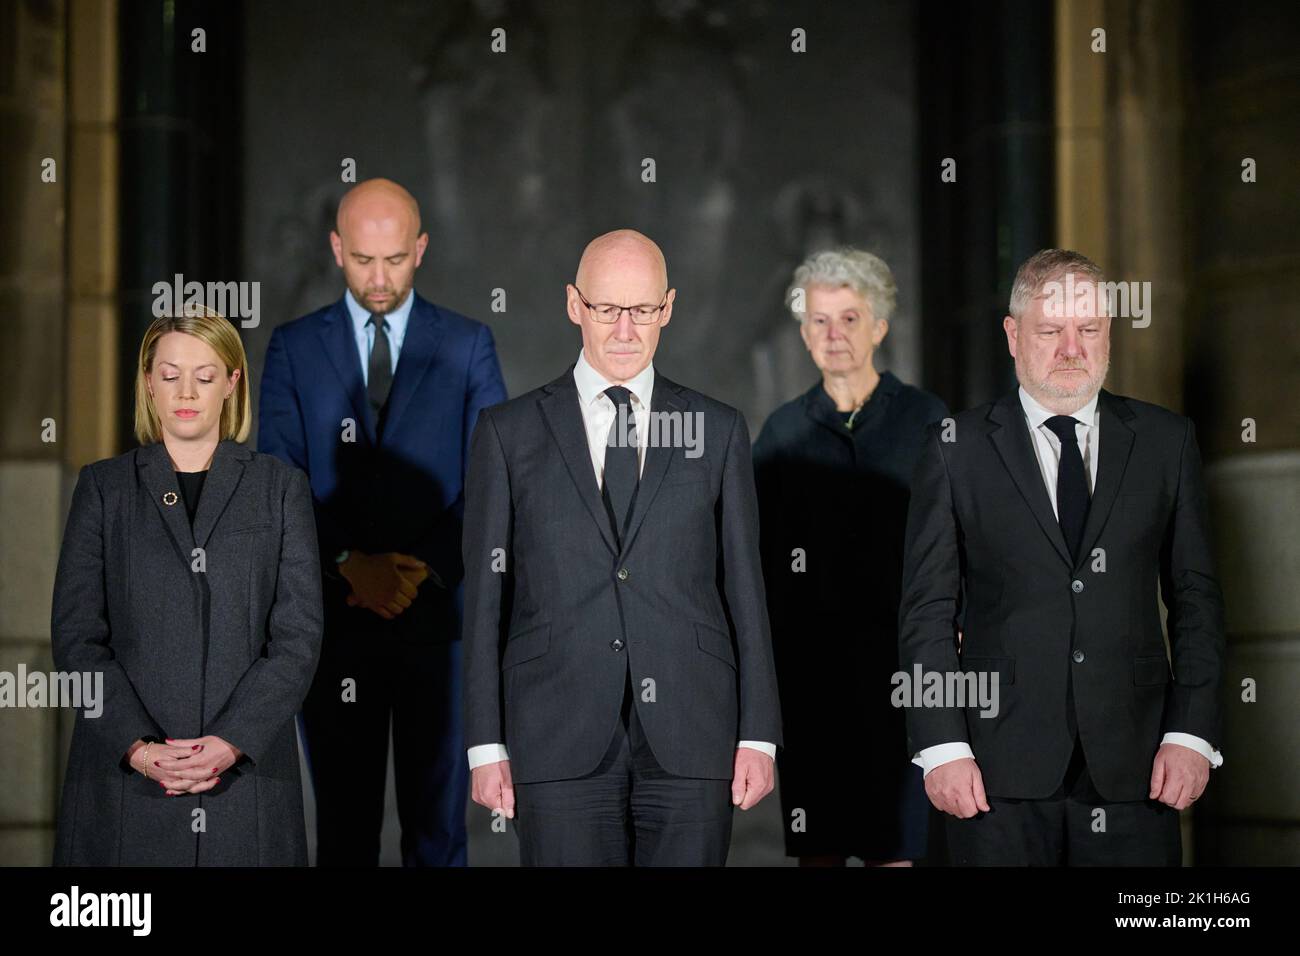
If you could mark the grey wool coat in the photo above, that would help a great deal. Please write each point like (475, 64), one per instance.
(229, 650)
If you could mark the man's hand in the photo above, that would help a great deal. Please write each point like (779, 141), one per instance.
(384, 583)
(957, 787)
(491, 787)
(1178, 776)
(753, 777)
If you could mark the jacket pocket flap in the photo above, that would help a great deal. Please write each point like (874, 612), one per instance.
(527, 645)
(683, 473)
(246, 529)
(716, 643)
(1150, 670)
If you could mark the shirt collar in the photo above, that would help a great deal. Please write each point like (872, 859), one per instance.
(396, 319)
(1037, 414)
(591, 384)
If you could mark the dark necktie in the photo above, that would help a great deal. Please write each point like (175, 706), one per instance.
(1071, 483)
(380, 376)
(621, 471)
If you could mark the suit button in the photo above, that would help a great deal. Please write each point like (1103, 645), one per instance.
(1076, 585)
(1078, 657)
(616, 644)
(622, 574)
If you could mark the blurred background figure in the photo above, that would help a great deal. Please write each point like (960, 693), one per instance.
(833, 468)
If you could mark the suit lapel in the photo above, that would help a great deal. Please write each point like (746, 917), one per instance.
(424, 331)
(223, 478)
(340, 344)
(155, 469)
(1112, 460)
(666, 398)
(564, 419)
(1011, 439)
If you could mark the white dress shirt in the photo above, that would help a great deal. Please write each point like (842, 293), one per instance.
(1047, 449)
(598, 415)
(599, 411)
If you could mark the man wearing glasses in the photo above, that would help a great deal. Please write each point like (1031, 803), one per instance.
(620, 695)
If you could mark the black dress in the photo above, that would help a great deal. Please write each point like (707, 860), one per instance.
(840, 496)
(191, 483)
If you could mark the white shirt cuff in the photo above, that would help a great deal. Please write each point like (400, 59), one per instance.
(486, 753)
(1199, 744)
(940, 754)
(492, 753)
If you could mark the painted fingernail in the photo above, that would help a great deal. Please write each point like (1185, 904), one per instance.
(216, 769)
(157, 764)
(218, 780)
(170, 739)
(195, 747)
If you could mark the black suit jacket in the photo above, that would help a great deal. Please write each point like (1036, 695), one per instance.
(984, 548)
(549, 640)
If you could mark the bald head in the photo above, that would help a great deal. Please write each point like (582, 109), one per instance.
(621, 268)
(377, 199)
(624, 252)
(378, 244)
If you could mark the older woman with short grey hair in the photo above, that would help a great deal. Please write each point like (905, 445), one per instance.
(833, 468)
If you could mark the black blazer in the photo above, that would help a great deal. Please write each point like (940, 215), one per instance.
(984, 551)
(548, 642)
(228, 651)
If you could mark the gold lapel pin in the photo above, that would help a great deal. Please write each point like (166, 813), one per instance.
(169, 498)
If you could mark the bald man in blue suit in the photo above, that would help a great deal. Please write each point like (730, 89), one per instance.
(375, 397)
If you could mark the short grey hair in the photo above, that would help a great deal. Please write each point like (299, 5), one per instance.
(1044, 266)
(864, 273)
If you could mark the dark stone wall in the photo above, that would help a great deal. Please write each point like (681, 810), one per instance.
(519, 159)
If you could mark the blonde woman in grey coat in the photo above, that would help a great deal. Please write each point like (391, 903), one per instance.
(189, 578)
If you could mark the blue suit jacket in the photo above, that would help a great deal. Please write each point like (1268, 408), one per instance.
(404, 493)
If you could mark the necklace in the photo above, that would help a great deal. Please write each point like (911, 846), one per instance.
(854, 414)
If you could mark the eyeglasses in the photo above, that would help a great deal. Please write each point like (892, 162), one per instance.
(608, 313)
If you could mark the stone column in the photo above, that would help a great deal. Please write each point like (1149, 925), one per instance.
(1243, 350)
(32, 262)
(57, 275)
(1151, 139)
